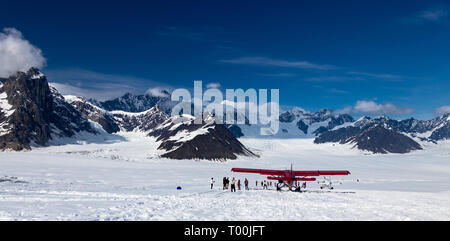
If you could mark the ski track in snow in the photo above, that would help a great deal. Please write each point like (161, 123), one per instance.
(125, 180)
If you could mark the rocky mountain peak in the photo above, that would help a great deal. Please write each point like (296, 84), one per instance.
(136, 103)
(142, 121)
(36, 113)
(323, 112)
(182, 138)
(383, 134)
(31, 85)
(93, 113)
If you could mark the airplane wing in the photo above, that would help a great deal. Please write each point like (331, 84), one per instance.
(320, 173)
(259, 171)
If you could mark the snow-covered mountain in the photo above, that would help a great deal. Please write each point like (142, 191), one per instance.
(374, 138)
(385, 135)
(94, 113)
(32, 113)
(298, 123)
(442, 131)
(137, 103)
(182, 139)
(294, 123)
(412, 125)
(142, 121)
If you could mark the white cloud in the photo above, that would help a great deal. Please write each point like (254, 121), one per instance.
(338, 91)
(442, 110)
(334, 79)
(17, 54)
(263, 61)
(278, 75)
(436, 15)
(377, 76)
(213, 86)
(371, 107)
(345, 110)
(157, 92)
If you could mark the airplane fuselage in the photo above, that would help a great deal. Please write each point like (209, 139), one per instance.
(289, 178)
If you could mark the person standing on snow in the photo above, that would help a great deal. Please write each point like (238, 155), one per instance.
(233, 185)
(256, 182)
(239, 184)
(224, 181)
(246, 184)
(212, 182)
(265, 185)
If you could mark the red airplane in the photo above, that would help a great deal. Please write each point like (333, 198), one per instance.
(287, 178)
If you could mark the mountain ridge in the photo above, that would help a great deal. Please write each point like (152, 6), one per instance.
(400, 136)
(33, 113)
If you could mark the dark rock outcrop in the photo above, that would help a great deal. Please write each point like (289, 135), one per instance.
(339, 120)
(302, 126)
(235, 130)
(183, 139)
(321, 130)
(287, 117)
(334, 121)
(37, 113)
(382, 140)
(341, 135)
(376, 139)
(441, 133)
(95, 114)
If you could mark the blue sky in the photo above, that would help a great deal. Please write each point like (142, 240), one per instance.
(362, 57)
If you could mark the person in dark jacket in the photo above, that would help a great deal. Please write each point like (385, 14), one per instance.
(246, 184)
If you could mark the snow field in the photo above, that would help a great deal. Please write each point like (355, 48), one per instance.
(124, 179)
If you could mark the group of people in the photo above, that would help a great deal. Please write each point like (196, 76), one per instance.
(231, 184)
(226, 183)
(264, 184)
